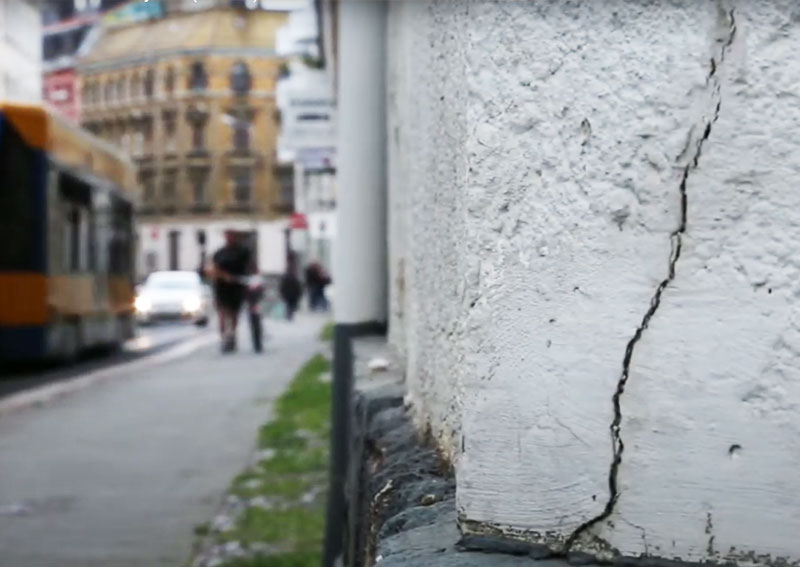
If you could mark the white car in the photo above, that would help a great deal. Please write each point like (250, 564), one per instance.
(173, 295)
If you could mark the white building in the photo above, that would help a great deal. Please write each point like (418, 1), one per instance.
(593, 243)
(308, 135)
(176, 245)
(20, 51)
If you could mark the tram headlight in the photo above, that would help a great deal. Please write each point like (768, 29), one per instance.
(142, 304)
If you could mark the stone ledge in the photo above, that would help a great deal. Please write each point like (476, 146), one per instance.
(410, 501)
(401, 494)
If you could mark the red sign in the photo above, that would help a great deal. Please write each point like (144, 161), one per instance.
(298, 221)
(60, 92)
(154, 233)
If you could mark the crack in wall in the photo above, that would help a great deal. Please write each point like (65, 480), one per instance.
(676, 246)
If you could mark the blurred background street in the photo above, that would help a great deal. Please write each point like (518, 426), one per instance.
(166, 167)
(120, 473)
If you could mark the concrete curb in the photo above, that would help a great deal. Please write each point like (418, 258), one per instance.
(50, 392)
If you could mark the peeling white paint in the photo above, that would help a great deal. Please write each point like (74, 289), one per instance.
(536, 155)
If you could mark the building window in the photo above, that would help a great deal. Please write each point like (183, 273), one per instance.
(108, 94)
(120, 89)
(136, 86)
(241, 81)
(241, 135)
(198, 79)
(242, 186)
(174, 249)
(170, 124)
(199, 180)
(169, 193)
(169, 81)
(198, 135)
(149, 83)
(137, 143)
(147, 132)
(286, 183)
(147, 181)
(151, 262)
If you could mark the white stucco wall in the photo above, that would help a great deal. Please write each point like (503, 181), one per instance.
(539, 156)
(20, 51)
(429, 263)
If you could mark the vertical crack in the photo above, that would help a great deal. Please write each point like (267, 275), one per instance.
(676, 246)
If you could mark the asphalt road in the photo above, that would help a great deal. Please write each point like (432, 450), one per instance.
(117, 474)
(149, 340)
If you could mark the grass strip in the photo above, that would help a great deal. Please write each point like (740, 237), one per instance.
(289, 483)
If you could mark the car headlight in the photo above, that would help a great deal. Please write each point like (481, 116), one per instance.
(192, 304)
(142, 304)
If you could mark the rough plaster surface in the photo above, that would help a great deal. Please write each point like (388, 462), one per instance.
(590, 199)
(426, 166)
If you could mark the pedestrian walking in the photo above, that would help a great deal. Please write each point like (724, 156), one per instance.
(231, 264)
(291, 290)
(317, 279)
(255, 295)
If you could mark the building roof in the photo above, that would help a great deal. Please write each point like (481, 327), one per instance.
(187, 33)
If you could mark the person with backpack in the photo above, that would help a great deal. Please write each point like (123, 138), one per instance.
(231, 264)
(317, 280)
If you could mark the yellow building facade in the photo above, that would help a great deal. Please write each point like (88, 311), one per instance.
(191, 98)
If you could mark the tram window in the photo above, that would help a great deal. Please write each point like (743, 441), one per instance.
(74, 190)
(77, 196)
(92, 244)
(74, 240)
(17, 208)
(121, 245)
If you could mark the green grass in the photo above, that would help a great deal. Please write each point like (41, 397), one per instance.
(287, 488)
(296, 527)
(327, 332)
(292, 559)
(299, 437)
(297, 462)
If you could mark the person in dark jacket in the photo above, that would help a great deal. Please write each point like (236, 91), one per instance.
(291, 290)
(230, 264)
(317, 280)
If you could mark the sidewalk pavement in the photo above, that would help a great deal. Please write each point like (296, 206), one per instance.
(118, 474)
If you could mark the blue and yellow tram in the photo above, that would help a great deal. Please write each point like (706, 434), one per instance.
(66, 238)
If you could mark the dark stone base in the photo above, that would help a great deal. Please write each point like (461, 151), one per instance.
(401, 494)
